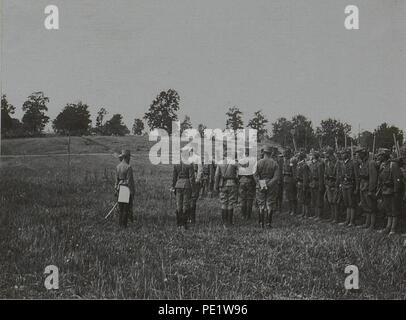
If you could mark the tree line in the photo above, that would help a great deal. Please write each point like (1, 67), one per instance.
(299, 131)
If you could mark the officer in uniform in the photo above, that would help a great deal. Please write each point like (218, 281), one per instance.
(350, 186)
(368, 182)
(302, 181)
(124, 176)
(226, 181)
(196, 163)
(391, 188)
(246, 170)
(266, 178)
(183, 180)
(330, 181)
(278, 158)
(289, 180)
(317, 184)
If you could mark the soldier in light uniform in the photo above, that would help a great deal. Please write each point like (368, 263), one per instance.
(124, 176)
(317, 184)
(391, 188)
(330, 182)
(350, 186)
(246, 170)
(266, 178)
(196, 162)
(226, 181)
(302, 180)
(183, 180)
(368, 182)
(289, 180)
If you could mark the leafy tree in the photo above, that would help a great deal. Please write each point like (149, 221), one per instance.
(99, 128)
(163, 111)
(384, 135)
(185, 124)
(259, 122)
(366, 139)
(74, 119)
(234, 119)
(34, 119)
(303, 131)
(330, 129)
(282, 132)
(201, 127)
(7, 109)
(116, 126)
(138, 127)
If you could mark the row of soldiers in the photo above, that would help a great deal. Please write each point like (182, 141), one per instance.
(307, 182)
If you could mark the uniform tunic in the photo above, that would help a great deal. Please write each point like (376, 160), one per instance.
(392, 188)
(289, 178)
(183, 180)
(330, 181)
(267, 170)
(226, 180)
(246, 170)
(368, 181)
(302, 178)
(317, 183)
(349, 183)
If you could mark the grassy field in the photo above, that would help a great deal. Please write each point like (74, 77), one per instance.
(45, 220)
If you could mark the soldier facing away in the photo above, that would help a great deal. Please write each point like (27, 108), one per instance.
(124, 177)
(183, 180)
(226, 181)
(266, 178)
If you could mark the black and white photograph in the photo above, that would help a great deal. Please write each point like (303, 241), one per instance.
(203, 150)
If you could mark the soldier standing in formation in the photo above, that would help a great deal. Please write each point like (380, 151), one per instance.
(266, 178)
(391, 188)
(124, 177)
(196, 163)
(289, 180)
(349, 185)
(317, 184)
(303, 191)
(246, 171)
(330, 182)
(183, 180)
(225, 181)
(368, 181)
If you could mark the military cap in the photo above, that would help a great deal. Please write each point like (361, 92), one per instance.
(329, 151)
(268, 149)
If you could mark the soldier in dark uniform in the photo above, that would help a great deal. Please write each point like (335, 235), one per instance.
(124, 177)
(266, 178)
(368, 182)
(183, 180)
(289, 180)
(278, 158)
(330, 182)
(317, 184)
(226, 180)
(246, 172)
(391, 188)
(302, 180)
(350, 186)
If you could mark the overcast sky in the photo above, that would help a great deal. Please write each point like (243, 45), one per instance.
(284, 57)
